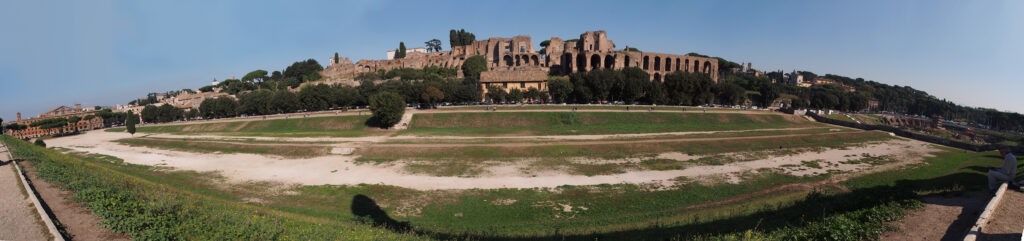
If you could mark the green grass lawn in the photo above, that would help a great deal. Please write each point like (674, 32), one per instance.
(334, 126)
(590, 123)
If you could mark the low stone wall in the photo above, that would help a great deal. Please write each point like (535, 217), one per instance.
(904, 133)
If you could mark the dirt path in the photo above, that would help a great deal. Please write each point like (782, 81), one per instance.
(18, 217)
(944, 217)
(342, 170)
(76, 219)
(1008, 220)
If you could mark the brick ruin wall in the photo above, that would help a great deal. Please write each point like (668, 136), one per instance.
(592, 51)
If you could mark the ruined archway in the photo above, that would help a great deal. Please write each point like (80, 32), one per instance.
(626, 63)
(687, 65)
(508, 60)
(707, 67)
(696, 66)
(609, 62)
(536, 60)
(657, 63)
(677, 64)
(567, 62)
(646, 62)
(595, 62)
(668, 64)
(581, 62)
(519, 60)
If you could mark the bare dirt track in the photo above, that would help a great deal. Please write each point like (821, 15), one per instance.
(342, 169)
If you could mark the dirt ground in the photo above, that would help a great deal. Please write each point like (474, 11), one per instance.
(18, 217)
(76, 219)
(944, 217)
(342, 169)
(1008, 220)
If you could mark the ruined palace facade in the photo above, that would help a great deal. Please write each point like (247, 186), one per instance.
(514, 62)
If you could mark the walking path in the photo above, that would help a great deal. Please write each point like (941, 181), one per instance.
(18, 219)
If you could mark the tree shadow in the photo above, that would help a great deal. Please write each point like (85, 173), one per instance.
(364, 207)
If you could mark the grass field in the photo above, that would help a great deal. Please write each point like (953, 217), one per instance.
(637, 108)
(336, 126)
(607, 212)
(591, 123)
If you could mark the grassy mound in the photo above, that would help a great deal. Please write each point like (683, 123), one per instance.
(589, 123)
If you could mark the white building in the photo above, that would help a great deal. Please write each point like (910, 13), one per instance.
(391, 53)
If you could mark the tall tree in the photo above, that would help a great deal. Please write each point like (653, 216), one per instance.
(453, 39)
(473, 66)
(387, 108)
(434, 45)
(336, 57)
(432, 95)
(130, 120)
(401, 51)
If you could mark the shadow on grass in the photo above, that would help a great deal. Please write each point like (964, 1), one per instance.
(365, 208)
(815, 207)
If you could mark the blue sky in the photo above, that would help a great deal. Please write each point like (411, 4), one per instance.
(108, 52)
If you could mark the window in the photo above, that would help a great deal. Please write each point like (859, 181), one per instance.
(522, 49)
(522, 85)
(504, 85)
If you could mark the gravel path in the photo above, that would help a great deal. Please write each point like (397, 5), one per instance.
(1008, 220)
(18, 219)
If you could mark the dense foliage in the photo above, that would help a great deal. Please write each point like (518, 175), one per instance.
(400, 53)
(387, 108)
(50, 123)
(130, 120)
(164, 113)
(460, 37)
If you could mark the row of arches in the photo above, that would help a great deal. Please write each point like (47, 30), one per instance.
(581, 62)
(520, 60)
(676, 64)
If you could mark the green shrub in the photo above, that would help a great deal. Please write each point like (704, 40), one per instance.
(39, 142)
(387, 108)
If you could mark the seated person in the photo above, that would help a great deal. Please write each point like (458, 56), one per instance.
(1004, 173)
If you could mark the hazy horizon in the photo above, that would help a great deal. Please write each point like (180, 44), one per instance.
(106, 53)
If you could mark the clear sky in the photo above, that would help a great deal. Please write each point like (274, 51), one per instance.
(101, 52)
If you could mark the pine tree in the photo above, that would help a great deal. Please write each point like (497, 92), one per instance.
(401, 51)
(130, 122)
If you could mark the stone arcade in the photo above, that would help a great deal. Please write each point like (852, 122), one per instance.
(513, 63)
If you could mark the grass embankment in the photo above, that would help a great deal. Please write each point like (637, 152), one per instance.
(591, 123)
(333, 126)
(151, 205)
(294, 150)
